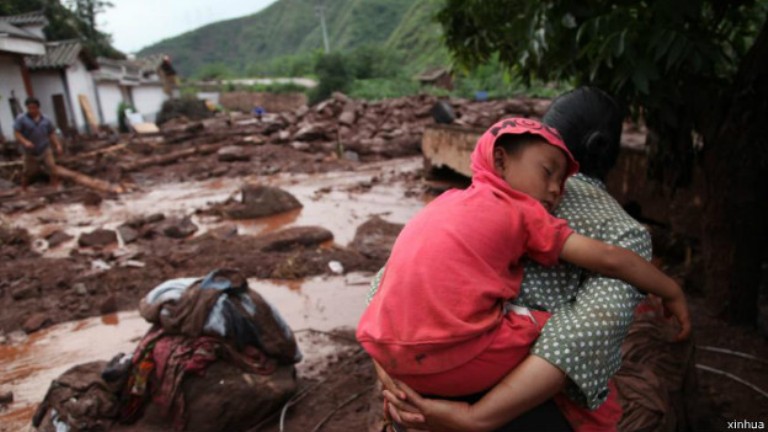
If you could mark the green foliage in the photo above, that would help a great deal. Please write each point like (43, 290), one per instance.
(214, 71)
(292, 65)
(668, 57)
(122, 119)
(383, 88)
(65, 23)
(286, 28)
(334, 74)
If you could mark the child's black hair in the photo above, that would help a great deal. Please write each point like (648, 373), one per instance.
(512, 144)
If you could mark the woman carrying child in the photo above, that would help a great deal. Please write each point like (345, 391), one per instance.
(439, 322)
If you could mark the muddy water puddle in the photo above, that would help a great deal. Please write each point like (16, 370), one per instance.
(320, 303)
(339, 201)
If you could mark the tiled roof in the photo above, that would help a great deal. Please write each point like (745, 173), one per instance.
(58, 55)
(9, 29)
(25, 19)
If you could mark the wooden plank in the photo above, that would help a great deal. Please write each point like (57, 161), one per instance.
(89, 182)
(88, 111)
(145, 128)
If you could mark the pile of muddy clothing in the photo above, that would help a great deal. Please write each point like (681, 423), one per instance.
(218, 357)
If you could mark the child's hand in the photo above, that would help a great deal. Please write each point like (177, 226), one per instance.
(678, 307)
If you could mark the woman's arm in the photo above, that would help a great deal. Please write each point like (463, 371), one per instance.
(617, 262)
(531, 383)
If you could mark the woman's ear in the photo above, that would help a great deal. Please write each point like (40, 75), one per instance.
(499, 156)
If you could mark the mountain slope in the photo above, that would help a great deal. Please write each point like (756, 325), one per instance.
(285, 27)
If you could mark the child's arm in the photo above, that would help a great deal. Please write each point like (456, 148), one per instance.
(620, 263)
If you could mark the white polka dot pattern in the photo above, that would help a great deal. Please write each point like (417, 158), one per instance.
(591, 314)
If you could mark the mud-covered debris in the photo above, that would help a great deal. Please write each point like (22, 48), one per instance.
(233, 154)
(291, 237)
(178, 227)
(26, 290)
(128, 234)
(57, 237)
(97, 238)
(108, 305)
(36, 322)
(259, 201)
(91, 198)
(374, 238)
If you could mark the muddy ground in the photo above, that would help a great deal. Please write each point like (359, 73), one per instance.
(57, 265)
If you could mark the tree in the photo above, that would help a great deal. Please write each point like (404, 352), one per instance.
(65, 23)
(696, 69)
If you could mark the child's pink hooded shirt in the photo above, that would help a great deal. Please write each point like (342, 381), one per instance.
(456, 262)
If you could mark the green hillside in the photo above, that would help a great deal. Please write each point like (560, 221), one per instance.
(419, 38)
(290, 27)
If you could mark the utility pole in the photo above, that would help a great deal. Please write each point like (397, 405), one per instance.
(320, 11)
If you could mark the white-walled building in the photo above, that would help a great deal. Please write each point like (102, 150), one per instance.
(58, 73)
(134, 82)
(20, 36)
(60, 78)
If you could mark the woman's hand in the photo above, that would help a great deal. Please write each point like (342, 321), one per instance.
(416, 412)
(678, 307)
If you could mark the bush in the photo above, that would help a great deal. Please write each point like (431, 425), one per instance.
(333, 75)
(122, 120)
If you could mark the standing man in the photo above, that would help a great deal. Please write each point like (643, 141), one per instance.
(168, 73)
(35, 132)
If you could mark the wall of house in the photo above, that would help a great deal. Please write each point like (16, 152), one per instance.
(80, 82)
(110, 97)
(47, 83)
(10, 80)
(148, 100)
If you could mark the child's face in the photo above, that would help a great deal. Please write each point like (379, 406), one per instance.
(536, 169)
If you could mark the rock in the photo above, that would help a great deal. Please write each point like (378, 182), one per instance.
(6, 398)
(310, 132)
(232, 154)
(80, 289)
(6, 185)
(36, 322)
(290, 237)
(179, 228)
(224, 232)
(58, 237)
(128, 234)
(91, 198)
(97, 238)
(374, 239)
(28, 291)
(108, 305)
(259, 201)
(300, 146)
(347, 117)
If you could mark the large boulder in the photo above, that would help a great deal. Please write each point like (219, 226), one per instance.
(260, 201)
(374, 239)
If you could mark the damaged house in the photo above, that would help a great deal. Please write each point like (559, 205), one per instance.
(78, 91)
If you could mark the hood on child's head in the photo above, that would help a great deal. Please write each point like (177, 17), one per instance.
(482, 156)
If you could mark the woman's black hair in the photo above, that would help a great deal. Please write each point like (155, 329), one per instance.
(589, 120)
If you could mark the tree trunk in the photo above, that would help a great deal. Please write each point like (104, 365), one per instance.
(735, 162)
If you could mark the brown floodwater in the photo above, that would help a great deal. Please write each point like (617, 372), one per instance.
(29, 365)
(331, 200)
(334, 200)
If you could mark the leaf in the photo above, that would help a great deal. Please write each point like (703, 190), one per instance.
(641, 81)
(620, 47)
(568, 21)
(675, 53)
